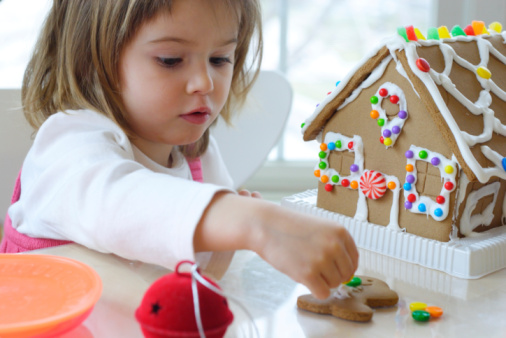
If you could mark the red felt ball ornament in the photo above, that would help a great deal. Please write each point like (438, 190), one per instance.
(167, 308)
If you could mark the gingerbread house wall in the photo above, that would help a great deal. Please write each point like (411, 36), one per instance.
(419, 130)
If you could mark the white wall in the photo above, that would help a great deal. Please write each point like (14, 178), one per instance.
(462, 12)
(15, 140)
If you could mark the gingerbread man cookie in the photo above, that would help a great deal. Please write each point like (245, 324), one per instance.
(352, 303)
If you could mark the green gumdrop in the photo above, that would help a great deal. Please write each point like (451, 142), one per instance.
(335, 178)
(322, 154)
(354, 282)
(420, 315)
(381, 122)
(402, 32)
(458, 31)
(374, 99)
(322, 165)
(432, 33)
(338, 144)
(422, 154)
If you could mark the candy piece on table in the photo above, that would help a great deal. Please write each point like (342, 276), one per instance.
(432, 33)
(478, 27)
(434, 311)
(419, 34)
(495, 26)
(458, 31)
(168, 308)
(372, 293)
(443, 32)
(402, 32)
(420, 315)
(410, 32)
(417, 306)
(469, 30)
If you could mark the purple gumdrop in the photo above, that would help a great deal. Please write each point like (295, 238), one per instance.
(387, 133)
(435, 161)
(410, 179)
(408, 205)
(409, 154)
(354, 168)
(396, 129)
(402, 114)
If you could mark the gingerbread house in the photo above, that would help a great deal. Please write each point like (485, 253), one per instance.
(413, 138)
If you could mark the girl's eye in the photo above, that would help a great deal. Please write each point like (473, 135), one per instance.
(220, 61)
(169, 62)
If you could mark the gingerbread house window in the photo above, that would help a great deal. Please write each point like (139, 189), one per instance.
(479, 209)
(428, 181)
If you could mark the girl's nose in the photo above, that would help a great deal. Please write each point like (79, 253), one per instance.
(200, 81)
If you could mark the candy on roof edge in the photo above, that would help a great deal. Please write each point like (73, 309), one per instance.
(410, 33)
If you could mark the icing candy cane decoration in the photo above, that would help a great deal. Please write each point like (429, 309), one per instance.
(390, 129)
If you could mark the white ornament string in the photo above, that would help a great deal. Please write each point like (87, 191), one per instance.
(197, 277)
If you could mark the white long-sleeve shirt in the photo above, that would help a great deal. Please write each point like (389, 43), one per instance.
(84, 181)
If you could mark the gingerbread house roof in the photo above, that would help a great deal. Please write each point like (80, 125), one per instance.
(467, 68)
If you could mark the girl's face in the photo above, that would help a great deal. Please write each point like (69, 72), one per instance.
(175, 75)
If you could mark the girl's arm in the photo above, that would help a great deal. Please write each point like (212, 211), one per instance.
(313, 251)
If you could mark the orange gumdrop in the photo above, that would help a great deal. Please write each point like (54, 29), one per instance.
(317, 172)
(409, 167)
(354, 184)
(324, 179)
(374, 114)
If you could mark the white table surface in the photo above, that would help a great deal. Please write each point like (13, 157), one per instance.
(472, 308)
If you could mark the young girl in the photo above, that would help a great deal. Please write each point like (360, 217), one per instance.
(122, 94)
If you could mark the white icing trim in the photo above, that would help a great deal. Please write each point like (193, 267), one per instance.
(467, 222)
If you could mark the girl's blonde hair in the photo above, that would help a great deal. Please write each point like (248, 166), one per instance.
(75, 61)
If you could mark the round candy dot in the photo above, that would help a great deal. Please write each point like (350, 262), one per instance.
(381, 122)
(434, 311)
(324, 178)
(422, 207)
(329, 93)
(387, 133)
(440, 199)
(391, 185)
(354, 282)
(302, 125)
(396, 129)
(331, 146)
(350, 145)
(338, 144)
(484, 73)
(329, 187)
(317, 105)
(422, 154)
(420, 315)
(408, 205)
(409, 167)
(504, 163)
(354, 184)
(407, 186)
(438, 212)
(449, 186)
(345, 182)
(317, 172)
(449, 169)
(402, 114)
(394, 99)
(382, 140)
(323, 146)
(374, 114)
(337, 83)
(335, 178)
(374, 99)
(387, 141)
(409, 154)
(383, 92)
(423, 65)
(354, 168)
(412, 198)
(435, 161)
(322, 165)
(410, 178)
(322, 154)
(417, 306)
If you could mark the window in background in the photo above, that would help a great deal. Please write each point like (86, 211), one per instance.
(324, 40)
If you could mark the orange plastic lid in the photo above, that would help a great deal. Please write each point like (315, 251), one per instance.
(44, 295)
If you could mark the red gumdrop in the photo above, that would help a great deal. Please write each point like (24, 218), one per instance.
(350, 145)
(469, 30)
(423, 65)
(394, 99)
(383, 92)
(440, 199)
(167, 308)
(412, 198)
(345, 183)
(410, 32)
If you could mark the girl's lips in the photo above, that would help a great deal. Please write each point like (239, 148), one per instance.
(198, 116)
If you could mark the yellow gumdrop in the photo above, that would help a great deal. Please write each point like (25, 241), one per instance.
(449, 169)
(484, 73)
(444, 33)
(419, 34)
(485, 31)
(387, 141)
(495, 26)
(417, 306)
